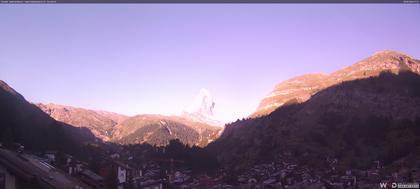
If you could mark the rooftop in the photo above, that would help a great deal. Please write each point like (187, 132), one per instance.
(30, 167)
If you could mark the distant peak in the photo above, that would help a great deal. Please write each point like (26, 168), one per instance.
(202, 109)
(203, 103)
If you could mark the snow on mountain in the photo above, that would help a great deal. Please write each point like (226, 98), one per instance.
(202, 109)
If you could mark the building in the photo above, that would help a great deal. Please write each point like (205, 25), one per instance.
(19, 170)
(117, 174)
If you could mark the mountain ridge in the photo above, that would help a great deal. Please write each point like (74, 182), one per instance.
(301, 88)
(113, 127)
(100, 123)
(24, 123)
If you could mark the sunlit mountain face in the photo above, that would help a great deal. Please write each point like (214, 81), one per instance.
(139, 129)
(301, 88)
(196, 126)
(202, 109)
(101, 123)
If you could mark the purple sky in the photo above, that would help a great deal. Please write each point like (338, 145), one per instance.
(151, 58)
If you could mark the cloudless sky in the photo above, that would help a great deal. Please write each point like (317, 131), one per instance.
(154, 58)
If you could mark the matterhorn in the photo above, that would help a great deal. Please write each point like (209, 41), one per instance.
(202, 109)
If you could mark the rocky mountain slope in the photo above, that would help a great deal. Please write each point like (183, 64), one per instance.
(159, 130)
(372, 113)
(24, 123)
(151, 129)
(301, 88)
(100, 123)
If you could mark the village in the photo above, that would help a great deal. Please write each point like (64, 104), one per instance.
(121, 172)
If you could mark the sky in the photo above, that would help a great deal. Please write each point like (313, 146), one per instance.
(154, 58)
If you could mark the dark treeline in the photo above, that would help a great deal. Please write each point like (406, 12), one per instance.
(195, 158)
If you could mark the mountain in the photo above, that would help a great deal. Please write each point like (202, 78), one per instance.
(301, 88)
(159, 130)
(202, 109)
(100, 123)
(151, 129)
(372, 113)
(24, 123)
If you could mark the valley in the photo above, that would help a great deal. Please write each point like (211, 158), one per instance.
(353, 128)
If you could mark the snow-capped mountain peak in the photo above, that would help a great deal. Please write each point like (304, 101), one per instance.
(202, 108)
